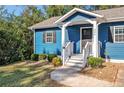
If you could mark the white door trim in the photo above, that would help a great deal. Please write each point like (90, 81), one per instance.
(81, 36)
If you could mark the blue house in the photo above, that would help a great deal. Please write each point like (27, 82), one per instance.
(83, 33)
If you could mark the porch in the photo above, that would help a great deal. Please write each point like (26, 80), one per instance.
(79, 35)
(79, 41)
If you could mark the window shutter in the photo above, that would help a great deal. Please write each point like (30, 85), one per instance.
(111, 33)
(54, 37)
(44, 37)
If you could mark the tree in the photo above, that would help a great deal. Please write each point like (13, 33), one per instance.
(59, 10)
(15, 37)
(31, 15)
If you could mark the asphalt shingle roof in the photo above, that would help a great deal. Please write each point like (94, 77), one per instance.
(110, 15)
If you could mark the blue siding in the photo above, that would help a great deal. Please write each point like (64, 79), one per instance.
(103, 37)
(48, 48)
(78, 17)
(115, 50)
(104, 29)
(73, 35)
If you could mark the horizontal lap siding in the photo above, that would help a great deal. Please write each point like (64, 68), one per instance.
(78, 17)
(73, 35)
(115, 51)
(48, 48)
(104, 35)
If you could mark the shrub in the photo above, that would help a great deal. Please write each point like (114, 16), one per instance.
(57, 61)
(34, 57)
(51, 56)
(42, 56)
(95, 62)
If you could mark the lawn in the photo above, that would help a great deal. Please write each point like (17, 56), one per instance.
(23, 74)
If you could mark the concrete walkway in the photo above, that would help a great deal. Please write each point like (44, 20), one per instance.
(120, 77)
(69, 76)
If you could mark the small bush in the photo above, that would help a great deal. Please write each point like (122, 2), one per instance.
(57, 61)
(42, 56)
(95, 62)
(34, 57)
(51, 56)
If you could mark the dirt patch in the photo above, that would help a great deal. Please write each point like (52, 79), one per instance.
(107, 72)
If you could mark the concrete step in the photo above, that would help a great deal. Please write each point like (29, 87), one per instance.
(76, 58)
(78, 55)
(76, 61)
(80, 65)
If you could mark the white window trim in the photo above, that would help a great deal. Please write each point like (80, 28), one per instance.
(114, 34)
(47, 37)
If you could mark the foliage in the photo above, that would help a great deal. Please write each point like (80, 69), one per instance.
(8, 48)
(16, 41)
(42, 56)
(51, 56)
(95, 62)
(57, 61)
(34, 57)
(59, 10)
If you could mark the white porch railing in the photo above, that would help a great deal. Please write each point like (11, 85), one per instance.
(67, 51)
(87, 51)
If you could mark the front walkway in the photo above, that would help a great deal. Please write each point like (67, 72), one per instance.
(69, 76)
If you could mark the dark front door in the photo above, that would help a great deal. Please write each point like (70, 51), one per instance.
(86, 36)
(87, 33)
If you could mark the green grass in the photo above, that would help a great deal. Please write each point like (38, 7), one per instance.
(24, 75)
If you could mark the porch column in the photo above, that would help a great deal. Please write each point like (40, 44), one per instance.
(63, 44)
(63, 40)
(95, 40)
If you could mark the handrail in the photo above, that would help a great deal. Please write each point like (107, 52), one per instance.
(67, 51)
(67, 44)
(87, 51)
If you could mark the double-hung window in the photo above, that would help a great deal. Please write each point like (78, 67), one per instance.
(49, 37)
(119, 34)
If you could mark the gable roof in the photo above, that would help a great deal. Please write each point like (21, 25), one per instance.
(110, 15)
(74, 11)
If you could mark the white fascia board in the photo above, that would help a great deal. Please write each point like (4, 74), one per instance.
(77, 10)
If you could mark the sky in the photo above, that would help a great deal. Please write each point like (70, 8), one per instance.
(18, 8)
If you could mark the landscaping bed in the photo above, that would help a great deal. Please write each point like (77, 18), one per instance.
(107, 72)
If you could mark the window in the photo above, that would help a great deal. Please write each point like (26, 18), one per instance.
(49, 37)
(119, 34)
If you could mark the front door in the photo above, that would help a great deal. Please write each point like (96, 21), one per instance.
(86, 33)
(86, 36)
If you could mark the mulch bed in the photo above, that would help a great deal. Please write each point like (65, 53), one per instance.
(107, 72)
